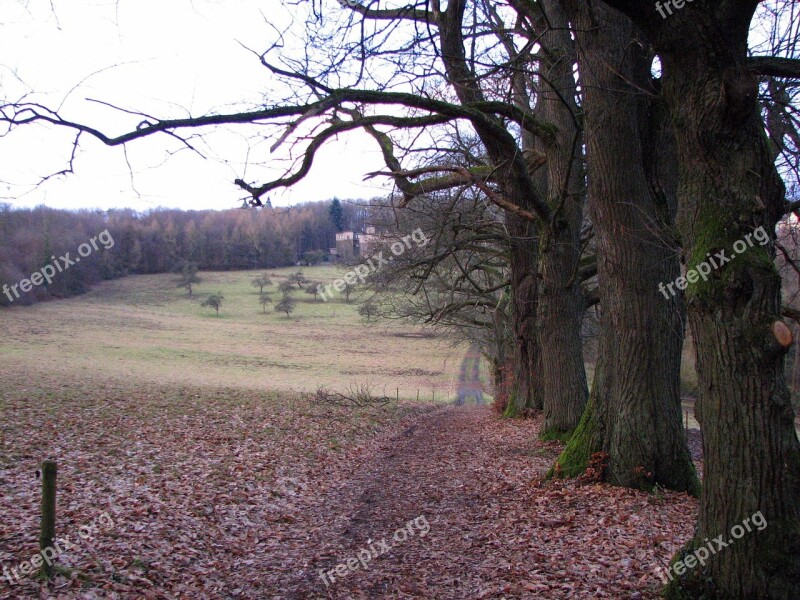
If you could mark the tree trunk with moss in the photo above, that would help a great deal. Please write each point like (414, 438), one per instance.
(730, 193)
(634, 412)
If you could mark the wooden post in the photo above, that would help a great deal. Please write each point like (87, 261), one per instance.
(47, 533)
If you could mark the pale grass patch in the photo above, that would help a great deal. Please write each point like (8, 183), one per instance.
(144, 329)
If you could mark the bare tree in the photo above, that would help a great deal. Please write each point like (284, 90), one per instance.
(286, 305)
(634, 414)
(298, 278)
(457, 283)
(334, 97)
(286, 287)
(312, 289)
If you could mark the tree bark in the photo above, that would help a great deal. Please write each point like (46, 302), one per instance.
(517, 187)
(560, 302)
(634, 412)
(526, 393)
(729, 189)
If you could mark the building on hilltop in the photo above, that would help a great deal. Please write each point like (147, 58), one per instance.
(351, 245)
(368, 241)
(347, 246)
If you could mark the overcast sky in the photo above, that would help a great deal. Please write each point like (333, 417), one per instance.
(162, 58)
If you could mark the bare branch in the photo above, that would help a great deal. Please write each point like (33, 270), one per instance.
(775, 66)
(407, 12)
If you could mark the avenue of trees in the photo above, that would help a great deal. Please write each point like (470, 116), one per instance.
(569, 157)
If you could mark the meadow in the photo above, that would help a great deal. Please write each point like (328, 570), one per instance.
(144, 329)
(190, 431)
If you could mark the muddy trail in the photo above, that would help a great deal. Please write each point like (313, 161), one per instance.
(452, 506)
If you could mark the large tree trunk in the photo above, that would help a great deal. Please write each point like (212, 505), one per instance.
(526, 393)
(517, 186)
(634, 413)
(561, 305)
(560, 312)
(729, 190)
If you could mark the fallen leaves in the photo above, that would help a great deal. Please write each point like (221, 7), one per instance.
(232, 494)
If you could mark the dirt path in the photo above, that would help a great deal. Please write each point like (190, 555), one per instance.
(461, 487)
(417, 476)
(469, 379)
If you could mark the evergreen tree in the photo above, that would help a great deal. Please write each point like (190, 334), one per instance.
(337, 214)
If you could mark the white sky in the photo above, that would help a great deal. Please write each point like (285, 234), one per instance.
(162, 58)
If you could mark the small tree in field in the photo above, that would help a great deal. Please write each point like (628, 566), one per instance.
(298, 278)
(286, 305)
(265, 299)
(187, 276)
(368, 310)
(261, 282)
(286, 287)
(348, 290)
(312, 289)
(214, 301)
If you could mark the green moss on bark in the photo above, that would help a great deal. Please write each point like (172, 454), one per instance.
(711, 237)
(512, 411)
(549, 435)
(581, 445)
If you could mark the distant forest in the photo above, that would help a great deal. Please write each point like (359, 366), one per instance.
(159, 240)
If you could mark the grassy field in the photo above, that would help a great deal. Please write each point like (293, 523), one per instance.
(144, 329)
(187, 429)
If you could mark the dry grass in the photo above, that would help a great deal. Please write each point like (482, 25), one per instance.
(187, 428)
(143, 329)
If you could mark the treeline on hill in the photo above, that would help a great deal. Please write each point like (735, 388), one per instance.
(159, 240)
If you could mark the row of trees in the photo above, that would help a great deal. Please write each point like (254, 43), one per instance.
(161, 240)
(616, 147)
(188, 276)
(287, 302)
(665, 169)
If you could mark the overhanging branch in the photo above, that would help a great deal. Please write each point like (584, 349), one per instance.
(319, 140)
(478, 113)
(464, 176)
(389, 14)
(774, 66)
